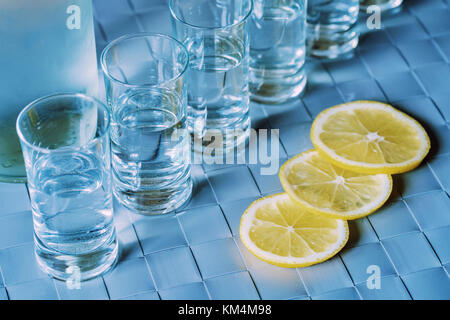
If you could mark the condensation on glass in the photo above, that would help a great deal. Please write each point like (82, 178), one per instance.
(47, 47)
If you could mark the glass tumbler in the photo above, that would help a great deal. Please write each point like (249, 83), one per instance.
(145, 88)
(332, 28)
(65, 144)
(384, 5)
(215, 33)
(277, 50)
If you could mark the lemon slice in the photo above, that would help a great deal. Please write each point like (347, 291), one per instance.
(278, 231)
(370, 137)
(320, 187)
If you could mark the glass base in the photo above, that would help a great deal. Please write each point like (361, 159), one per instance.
(157, 201)
(86, 266)
(217, 143)
(274, 87)
(12, 179)
(384, 5)
(12, 168)
(327, 44)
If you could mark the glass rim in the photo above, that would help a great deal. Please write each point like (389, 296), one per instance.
(242, 20)
(143, 35)
(53, 97)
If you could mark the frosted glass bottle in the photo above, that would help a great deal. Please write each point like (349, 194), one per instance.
(47, 46)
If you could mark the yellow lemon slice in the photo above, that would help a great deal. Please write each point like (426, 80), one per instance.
(370, 137)
(321, 187)
(278, 231)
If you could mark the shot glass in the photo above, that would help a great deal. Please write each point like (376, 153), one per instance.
(66, 149)
(332, 28)
(215, 33)
(277, 50)
(145, 88)
(384, 5)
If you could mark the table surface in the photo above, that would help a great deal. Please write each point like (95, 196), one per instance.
(197, 253)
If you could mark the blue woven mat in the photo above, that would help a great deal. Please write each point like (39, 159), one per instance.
(197, 254)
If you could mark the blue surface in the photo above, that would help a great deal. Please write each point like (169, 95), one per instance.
(273, 282)
(428, 284)
(129, 277)
(358, 259)
(361, 232)
(218, 257)
(421, 52)
(411, 252)
(392, 289)
(3, 294)
(363, 89)
(42, 289)
(90, 290)
(192, 291)
(150, 295)
(393, 219)
(341, 294)
(432, 210)
(174, 267)
(326, 276)
(236, 286)
(424, 109)
(197, 254)
(439, 240)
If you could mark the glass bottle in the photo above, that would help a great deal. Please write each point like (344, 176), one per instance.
(47, 47)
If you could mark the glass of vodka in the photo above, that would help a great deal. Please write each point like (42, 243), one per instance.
(145, 88)
(277, 50)
(332, 28)
(215, 33)
(65, 143)
(47, 47)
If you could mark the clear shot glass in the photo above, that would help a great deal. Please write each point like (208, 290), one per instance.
(277, 50)
(215, 33)
(145, 88)
(66, 149)
(332, 28)
(384, 5)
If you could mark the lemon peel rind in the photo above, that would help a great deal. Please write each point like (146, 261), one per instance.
(369, 168)
(350, 215)
(280, 261)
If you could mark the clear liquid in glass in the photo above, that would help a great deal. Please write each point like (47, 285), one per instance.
(71, 199)
(73, 204)
(332, 28)
(150, 152)
(277, 50)
(218, 90)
